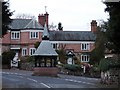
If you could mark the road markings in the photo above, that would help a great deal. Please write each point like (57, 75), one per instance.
(32, 80)
(6, 72)
(89, 78)
(79, 81)
(13, 73)
(45, 85)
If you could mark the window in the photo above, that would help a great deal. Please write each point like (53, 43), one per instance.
(32, 51)
(33, 35)
(24, 51)
(85, 46)
(55, 46)
(15, 35)
(85, 58)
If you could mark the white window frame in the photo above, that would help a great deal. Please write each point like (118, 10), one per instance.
(85, 46)
(15, 35)
(34, 34)
(24, 51)
(32, 51)
(85, 58)
(56, 46)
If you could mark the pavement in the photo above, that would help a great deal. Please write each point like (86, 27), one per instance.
(70, 78)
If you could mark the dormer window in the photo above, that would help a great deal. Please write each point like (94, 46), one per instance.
(15, 35)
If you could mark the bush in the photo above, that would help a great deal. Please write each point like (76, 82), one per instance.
(73, 67)
(103, 66)
(7, 57)
(30, 59)
(95, 72)
(27, 59)
(27, 63)
(106, 64)
(62, 56)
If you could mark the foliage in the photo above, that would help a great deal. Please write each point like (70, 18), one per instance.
(114, 63)
(52, 27)
(95, 71)
(108, 63)
(76, 60)
(30, 59)
(72, 67)
(62, 56)
(98, 53)
(36, 44)
(104, 65)
(26, 59)
(5, 17)
(113, 31)
(60, 26)
(95, 68)
(25, 16)
(7, 57)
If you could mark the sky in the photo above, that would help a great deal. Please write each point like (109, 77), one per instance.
(75, 15)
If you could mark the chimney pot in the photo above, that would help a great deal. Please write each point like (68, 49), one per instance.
(42, 18)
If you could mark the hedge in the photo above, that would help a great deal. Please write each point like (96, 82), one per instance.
(72, 67)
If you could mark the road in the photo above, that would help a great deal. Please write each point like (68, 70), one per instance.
(24, 79)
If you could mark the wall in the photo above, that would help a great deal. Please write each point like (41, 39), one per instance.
(76, 47)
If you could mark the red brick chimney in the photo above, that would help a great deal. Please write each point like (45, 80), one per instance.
(42, 18)
(93, 26)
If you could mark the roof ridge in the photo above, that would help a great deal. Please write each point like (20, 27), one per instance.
(21, 19)
(70, 31)
(28, 23)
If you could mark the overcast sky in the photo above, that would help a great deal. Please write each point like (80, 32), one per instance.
(75, 15)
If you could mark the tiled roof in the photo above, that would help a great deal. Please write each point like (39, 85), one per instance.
(45, 49)
(25, 24)
(45, 32)
(72, 36)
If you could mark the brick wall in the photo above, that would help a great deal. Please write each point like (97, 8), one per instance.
(76, 47)
(45, 71)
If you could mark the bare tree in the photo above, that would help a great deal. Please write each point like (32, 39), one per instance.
(63, 46)
(25, 16)
(52, 27)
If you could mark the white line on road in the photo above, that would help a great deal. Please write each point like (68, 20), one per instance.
(89, 78)
(6, 72)
(32, 80)
(45, 85)
(79, 81)
(20, 76)
(40, 83)
(13, 73)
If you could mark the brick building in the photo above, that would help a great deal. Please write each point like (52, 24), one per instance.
(24, 33)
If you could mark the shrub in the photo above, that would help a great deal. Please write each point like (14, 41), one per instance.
(7, 57)
(62, 56)
(104, 65)
(27, 59)
(30, 59)
(72, 67)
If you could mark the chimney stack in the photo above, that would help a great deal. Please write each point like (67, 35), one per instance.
(42, 18)
(93, 26)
